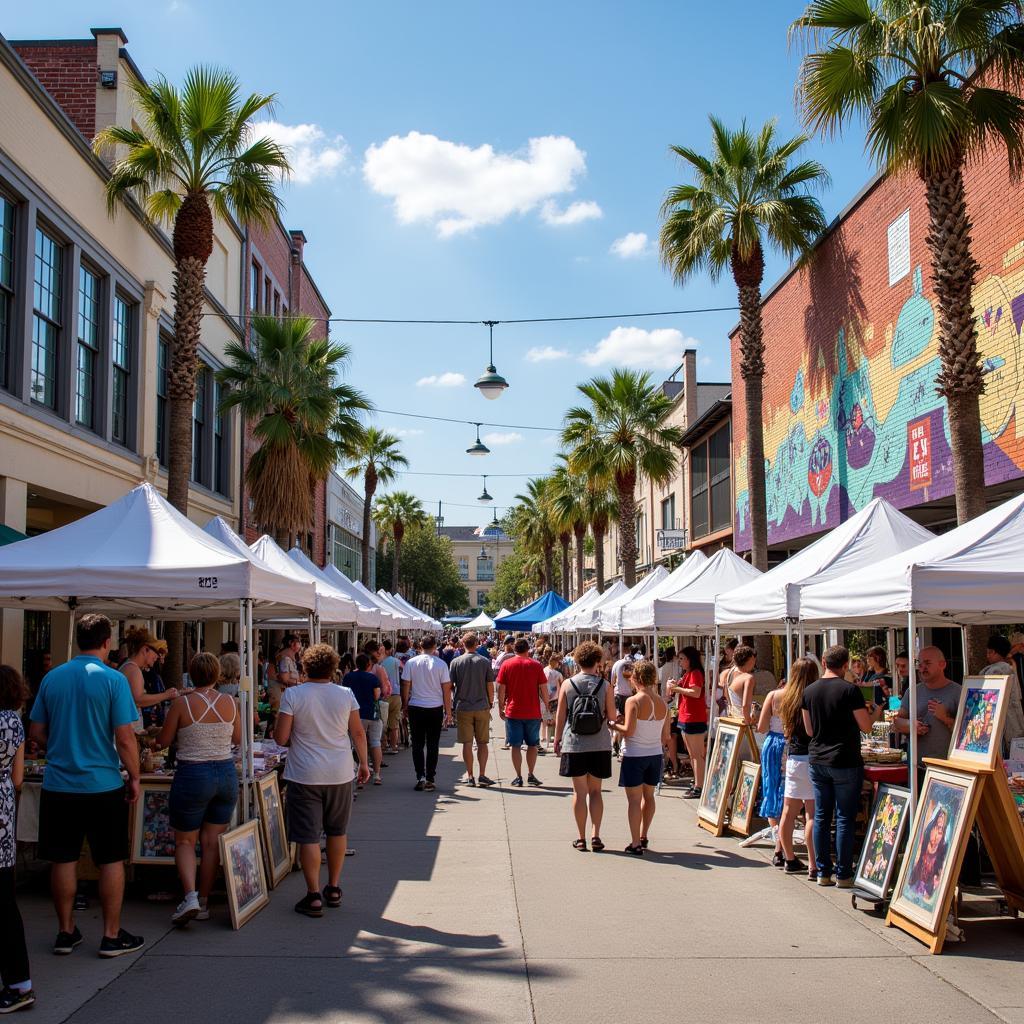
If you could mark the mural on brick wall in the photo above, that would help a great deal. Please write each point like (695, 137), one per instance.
(876, 426)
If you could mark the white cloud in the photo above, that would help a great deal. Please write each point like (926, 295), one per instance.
(405, 431)
(545, 354)
(574, 213)
(511, 437)
(442, 380)
(457, 188)
(630, 246)
(659, 349)
(311, 151)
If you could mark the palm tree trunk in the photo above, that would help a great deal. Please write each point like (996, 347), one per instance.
(548, 583)
(397, 536)
(564, 540)
(369, 487)
(625, 486)
(581, 535)
(599, 532)
(960, 380)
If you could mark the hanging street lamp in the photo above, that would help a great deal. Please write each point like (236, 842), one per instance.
(490, 382)
(485, 498)
(479, 448)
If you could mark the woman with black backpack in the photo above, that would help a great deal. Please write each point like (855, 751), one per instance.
(586, 705)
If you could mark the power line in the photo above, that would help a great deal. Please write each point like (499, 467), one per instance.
(490, 476)
(470, 423)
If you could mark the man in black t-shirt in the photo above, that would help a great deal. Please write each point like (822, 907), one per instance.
(834, 716)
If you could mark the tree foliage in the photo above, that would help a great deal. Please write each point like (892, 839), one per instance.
(428, 575)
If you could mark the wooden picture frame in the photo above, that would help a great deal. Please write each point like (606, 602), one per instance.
(883, 840)
(152, 838)
(278, 851)
(744, 797)
(715, 796)
(978, 730)
(945, 813)
(245, 877)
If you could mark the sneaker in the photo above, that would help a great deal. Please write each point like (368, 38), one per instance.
(542, 751)
(204, 911)
(14, 999)
(124, 943)
(469, 781)
(518, 781)
(844, 883)
(430, 787)
(188, 908)
(693, 793)
(482, 780)
(66, 942)
(795, 866)
(778, 860)
(421, 784)
(533, 780)
(825, 881)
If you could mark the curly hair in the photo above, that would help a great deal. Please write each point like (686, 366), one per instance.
(646, 673)
(13, 691)
(587, 654)
(320, 661)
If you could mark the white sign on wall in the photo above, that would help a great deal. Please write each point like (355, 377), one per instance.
(899, 248)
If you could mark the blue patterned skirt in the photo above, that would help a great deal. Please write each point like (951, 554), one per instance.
(772, 778)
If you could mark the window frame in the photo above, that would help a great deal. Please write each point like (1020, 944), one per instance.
(8, 291)
(163, 370)
(58, 290)
(702, 504)
(255, 281)
(94, 348)
(122, 372)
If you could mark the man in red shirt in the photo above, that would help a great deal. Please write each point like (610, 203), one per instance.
(522, 686)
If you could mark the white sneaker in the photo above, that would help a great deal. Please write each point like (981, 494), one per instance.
(188, 908)
(204, 911)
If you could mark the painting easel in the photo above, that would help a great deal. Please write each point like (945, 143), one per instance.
(746, 750)
(992, 808)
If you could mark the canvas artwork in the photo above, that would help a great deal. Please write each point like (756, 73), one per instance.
(275, 839)
(152, 835)
(744, 796)
(246, 881)
(978, 731)
(926, 873)
(715, 795)
(882, 840)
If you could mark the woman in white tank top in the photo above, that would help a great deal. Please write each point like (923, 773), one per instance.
(645, 731)
(204, 724)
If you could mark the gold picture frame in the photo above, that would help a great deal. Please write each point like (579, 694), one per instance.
(278, 851)
(715, 796)
(744, 798)
(245, 876)
(978, 730)
(152, 838)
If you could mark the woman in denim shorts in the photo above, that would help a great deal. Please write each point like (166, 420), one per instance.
(204, 724)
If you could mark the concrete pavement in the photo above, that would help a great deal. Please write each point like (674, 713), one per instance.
(471, 905)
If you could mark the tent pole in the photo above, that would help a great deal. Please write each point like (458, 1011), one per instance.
(71, 633)
(890, 643)
(912, 766)
(963, 648)
(250, 721)
(244, 709)
(713, 709)
(789, 646)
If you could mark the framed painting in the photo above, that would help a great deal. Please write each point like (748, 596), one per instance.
(244, 875)
(744, 798)
(927, 875)
(275, 837)
(978, 731)
(152, 835)
(882, 840)
(714, 798)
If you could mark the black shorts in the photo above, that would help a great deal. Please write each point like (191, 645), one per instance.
(693, 728)
(592, 762)
(313, 811)
(67, 819)
(620, 703)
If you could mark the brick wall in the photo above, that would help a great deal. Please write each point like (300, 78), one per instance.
(68, 72)
(850, 407)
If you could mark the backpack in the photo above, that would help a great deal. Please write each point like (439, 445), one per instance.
(586, 716)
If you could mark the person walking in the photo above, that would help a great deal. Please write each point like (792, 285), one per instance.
(644, 735)
(586, 705)
(17, 993)
(84, 718)
(366, 687)
(772, 752)
(693, 716)
(204, 724)
(554, 677)
(472, 678)
(798, 793)
(319, 723)
(392, 666)
(427, 703)
(522, 687)
(835, 714)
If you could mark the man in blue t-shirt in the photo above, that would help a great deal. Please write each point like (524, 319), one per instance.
(84, 717)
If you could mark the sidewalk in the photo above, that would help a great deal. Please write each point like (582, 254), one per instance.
(471, 905)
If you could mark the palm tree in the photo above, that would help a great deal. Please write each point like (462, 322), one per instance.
(601, 511)
(534, 525)
(569, 507)
(621, 436)
(287, 387)
(749, 193)
(937, 83)
(192, 154)
(394, 513)
(374, 455)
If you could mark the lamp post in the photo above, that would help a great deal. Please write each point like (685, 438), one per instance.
(439, 519)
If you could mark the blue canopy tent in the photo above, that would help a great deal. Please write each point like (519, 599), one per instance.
(536, 611)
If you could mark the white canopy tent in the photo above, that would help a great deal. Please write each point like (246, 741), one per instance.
(637, 613)
(502, 613)
(416, 618)
(367, 616)
(482, 621)
(400, 602)
(690, 609)
(609, 615)
(389, 619)
(586, 621)
(560, 621)
(403, 620)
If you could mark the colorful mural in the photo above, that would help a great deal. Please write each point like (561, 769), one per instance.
(876, 426)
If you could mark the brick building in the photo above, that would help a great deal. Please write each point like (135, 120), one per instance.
(850, 406)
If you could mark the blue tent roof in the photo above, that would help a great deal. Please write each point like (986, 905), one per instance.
(536, 611)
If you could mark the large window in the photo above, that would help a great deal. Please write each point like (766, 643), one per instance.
(255, 277)
(485, 569)
(163, 355)
(121, 353)
(668, 513)
(481, 598)
(710, 485)
(220, 452)
(46, 318)
(87, 355)
(199, 427)
(463, 568)
(348, 553)
(6, 287)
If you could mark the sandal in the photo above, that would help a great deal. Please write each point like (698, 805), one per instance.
(332, 895)
(596, 845)
(311, 905)
(637, 851)
(378, 781)
(644, 842)
(580, 844)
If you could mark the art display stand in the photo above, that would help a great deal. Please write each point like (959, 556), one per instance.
(992, 809)
(751, 753)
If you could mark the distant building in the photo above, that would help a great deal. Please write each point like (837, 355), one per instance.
(708, 475)
(478, 550)
(345, 530)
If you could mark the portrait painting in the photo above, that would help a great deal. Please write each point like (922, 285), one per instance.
(744, 797)
(978, 731)
(882, 840)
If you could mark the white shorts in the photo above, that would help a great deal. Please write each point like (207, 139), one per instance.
(798, 778)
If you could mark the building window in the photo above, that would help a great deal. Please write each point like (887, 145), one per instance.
(485, 569)
(481, 598)
(268, 290)
(699, 511)
(199, 426)
(6, 286)
(668, 513)
(463, 568)
(220, 450)
(121, 354)
(87, 354)
(163, 355)
(711, 485)
(255, 276)
(277, 304)
(46, 318)
(348, 554)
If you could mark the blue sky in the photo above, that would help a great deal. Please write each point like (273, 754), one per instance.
(390, 106)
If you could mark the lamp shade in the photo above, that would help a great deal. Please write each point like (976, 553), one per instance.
(491, 384)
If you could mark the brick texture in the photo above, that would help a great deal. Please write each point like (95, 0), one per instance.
(69, 73)
(850, 410)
